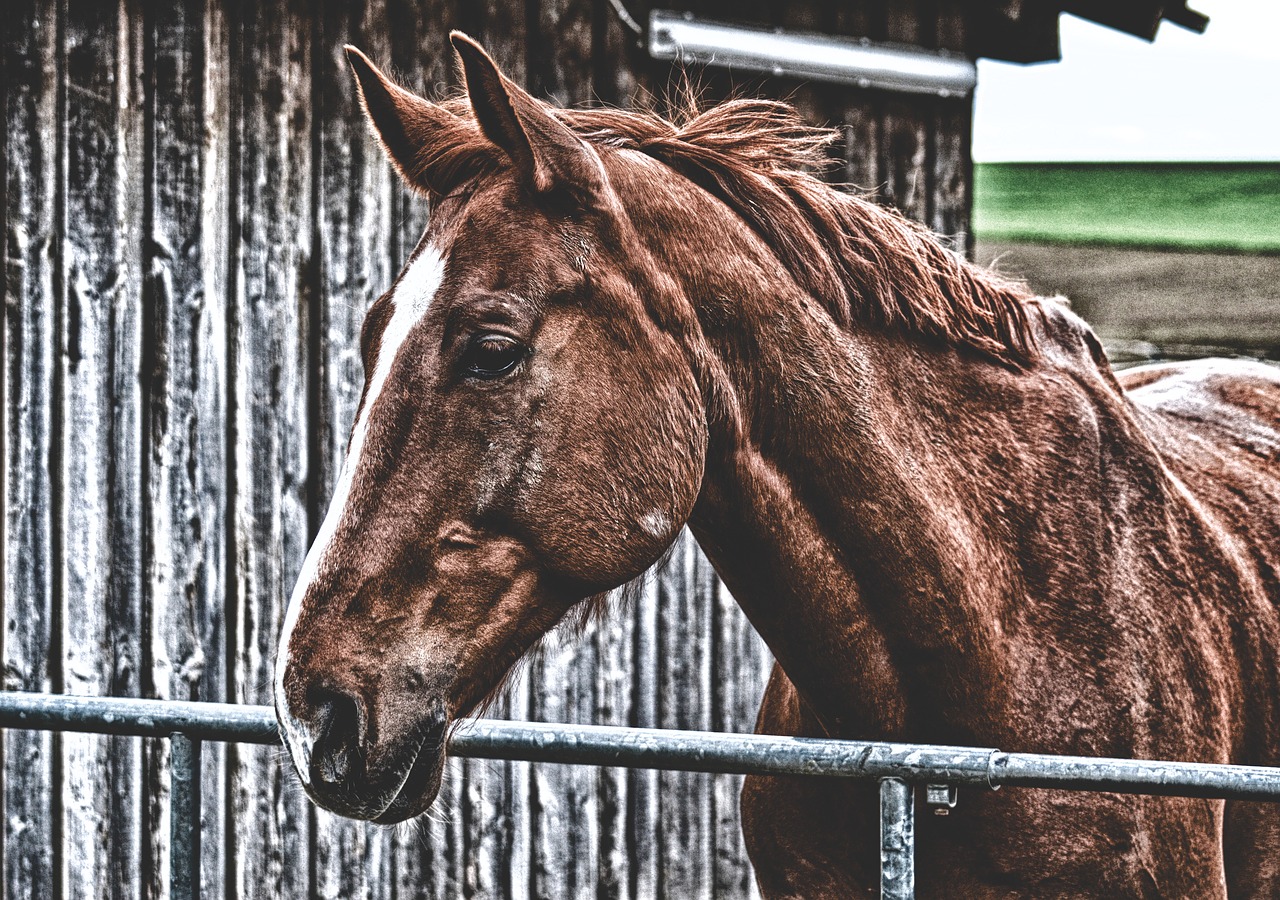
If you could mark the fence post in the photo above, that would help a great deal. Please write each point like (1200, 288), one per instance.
(897, 840)
(184, 817)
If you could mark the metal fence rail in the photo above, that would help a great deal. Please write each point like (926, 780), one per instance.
(900, 768)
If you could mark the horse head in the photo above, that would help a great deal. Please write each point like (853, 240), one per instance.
(530, 434)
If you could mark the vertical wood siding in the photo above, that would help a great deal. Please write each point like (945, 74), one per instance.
(195, 221)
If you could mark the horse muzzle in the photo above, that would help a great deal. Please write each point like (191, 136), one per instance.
(380, 769)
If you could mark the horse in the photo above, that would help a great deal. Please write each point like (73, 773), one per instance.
(946, 515)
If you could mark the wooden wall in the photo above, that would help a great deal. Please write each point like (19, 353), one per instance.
(195, 221)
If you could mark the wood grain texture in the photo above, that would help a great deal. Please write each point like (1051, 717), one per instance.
(615, 662)
(269, 371)
(196, 220)
(643, 786)
(739, 671)
(685, 594)
(951, 193)
(185, 380)
(100, 513)
(32, 252)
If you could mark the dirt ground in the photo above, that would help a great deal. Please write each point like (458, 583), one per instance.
(1151, 304)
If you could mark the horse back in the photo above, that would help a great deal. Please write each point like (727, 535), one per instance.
(1216, 425)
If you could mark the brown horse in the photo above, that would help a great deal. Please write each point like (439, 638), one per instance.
(949, 519)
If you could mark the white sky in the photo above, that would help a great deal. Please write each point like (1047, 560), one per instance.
(1188, 96)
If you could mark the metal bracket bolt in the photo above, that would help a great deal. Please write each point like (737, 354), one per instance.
(941, 798)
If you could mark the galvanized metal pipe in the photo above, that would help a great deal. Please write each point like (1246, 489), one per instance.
(696, 751)
(184, 817)
(693, 751)
(897, 840)
(143, 718)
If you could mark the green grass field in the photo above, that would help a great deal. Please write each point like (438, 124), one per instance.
(1201, 206)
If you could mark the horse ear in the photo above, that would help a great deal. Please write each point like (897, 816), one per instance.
(546, 152)
(404, 122)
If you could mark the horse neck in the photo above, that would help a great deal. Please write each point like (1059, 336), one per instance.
(860, 503)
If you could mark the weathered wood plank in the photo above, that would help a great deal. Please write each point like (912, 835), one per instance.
(422, 56)
(740, 669)
(423, 61)
(615, 660)
(494, 796)
(950, 194)
(100, 508)
(905, 174)
(904, 130)
(619, 63)
(860, 127)
(686, 594)
(184, 373)
(952, 138)
(5, 48)
(855, 112)
(500, 26)
(270, 818)
(564, 800)
(32, 248)
(559, 61)
(518, 848)
(646, 861)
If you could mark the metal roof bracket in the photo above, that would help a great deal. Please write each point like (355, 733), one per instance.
(844, 60)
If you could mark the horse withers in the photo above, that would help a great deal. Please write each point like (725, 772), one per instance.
(947, 517)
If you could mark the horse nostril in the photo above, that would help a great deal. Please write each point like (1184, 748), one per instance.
(339, 730)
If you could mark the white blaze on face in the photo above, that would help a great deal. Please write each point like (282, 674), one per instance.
(410, 298)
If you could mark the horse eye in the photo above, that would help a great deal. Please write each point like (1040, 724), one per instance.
(492, 355)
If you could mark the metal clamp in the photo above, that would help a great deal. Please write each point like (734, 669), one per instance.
(992, 781)
(941, 797)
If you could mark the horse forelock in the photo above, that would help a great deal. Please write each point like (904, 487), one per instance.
(863, 262)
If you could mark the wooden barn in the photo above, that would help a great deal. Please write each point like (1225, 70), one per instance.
(195, 220)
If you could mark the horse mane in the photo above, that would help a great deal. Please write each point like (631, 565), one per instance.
(862, 261)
